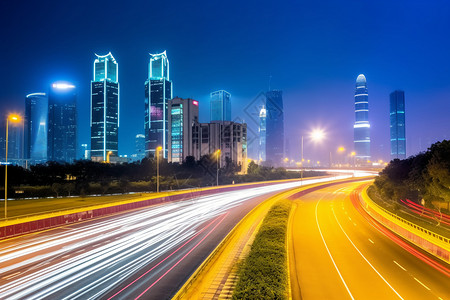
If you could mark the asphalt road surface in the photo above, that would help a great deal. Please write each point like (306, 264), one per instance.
(147, 253)
(336, 253)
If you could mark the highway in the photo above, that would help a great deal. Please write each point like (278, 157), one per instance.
(336, 253)
(147, 253)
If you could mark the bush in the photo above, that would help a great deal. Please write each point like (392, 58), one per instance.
(263, 274)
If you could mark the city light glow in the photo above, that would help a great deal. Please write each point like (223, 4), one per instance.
(63, 86)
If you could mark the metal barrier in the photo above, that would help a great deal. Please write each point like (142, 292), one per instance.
(433, 243)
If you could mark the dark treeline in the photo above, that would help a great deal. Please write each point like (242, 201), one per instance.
(423, 176)
(85, 177)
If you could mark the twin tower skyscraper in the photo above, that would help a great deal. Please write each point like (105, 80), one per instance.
(105, 102)
(362, 125)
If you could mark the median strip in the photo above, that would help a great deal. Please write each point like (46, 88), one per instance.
(263, 274)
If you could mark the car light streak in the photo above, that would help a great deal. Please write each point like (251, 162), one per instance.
(64, 263)
(386, 232)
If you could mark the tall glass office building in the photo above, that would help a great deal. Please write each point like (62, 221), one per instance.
(105, 108)
(274, 127)
(183, 114)
(158, 91)
(62, 123)
(220, 104)
(397, 125)
(262, 134)
(35, 127)
(362, 125)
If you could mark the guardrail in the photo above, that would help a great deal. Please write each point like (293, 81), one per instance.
(433, 243)
(15, 227)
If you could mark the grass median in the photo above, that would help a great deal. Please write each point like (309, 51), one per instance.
(264, 273)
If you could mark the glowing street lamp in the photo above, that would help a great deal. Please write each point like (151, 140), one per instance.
(15, 119)
(317, 135)
(158, 149)
(217, 153)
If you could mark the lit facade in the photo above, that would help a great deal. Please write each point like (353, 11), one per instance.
(274, 127)
(62, 123)
(35, 127)
(397, 125)
(362, 125)
(220, 106)
(104, 108)
(262, 134)
(183, 114)
(158, 91)
(229, 137)
(139, 147)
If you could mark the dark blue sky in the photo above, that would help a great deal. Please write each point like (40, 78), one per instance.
(313, 50)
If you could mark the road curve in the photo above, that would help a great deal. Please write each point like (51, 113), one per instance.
(335, 253)
(147, 253)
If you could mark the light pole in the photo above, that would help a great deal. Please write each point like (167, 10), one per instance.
(316, 135)
(13, 118)
(217, 171)
(157, 168)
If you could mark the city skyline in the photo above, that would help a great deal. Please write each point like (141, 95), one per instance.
(194, 72)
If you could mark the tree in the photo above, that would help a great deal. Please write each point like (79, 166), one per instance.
(56, 187)
(69, 188)
(438, 172)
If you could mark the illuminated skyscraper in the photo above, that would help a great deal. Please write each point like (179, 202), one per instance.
(362, 125)
(158, 91)
(274, 127)
(104, 108)
(183, 114)
(35, 127)
(397, 128)
(62, 123)
(262, 134)
(220, 104)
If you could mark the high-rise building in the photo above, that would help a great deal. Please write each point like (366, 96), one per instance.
(362, 125)
(229, 137)
(35, 128)
(62, 123)
(104, 108)
(397, 122)
(220, 104)
(183, 114)
(139, 147)
(15, 143)
(262, 134)
(158, 91)
(274, 127)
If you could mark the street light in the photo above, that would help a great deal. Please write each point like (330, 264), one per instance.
(316, 135)
(13, 118)
(158, 149)
(217, 171)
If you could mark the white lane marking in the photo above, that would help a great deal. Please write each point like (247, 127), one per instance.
(422, 284)
(349, 218)
(11, 276)
(440, 298)
(365, 257)
(66, 256)
(354, 223)
(399, 265)
(329, 254)
(371, 241)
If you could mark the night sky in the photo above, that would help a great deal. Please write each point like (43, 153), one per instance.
(312, 50)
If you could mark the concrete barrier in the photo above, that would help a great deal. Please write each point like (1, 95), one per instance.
(20, 226)
(433, 243)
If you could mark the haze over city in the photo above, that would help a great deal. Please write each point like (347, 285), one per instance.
(289, 150)
(312, 52)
